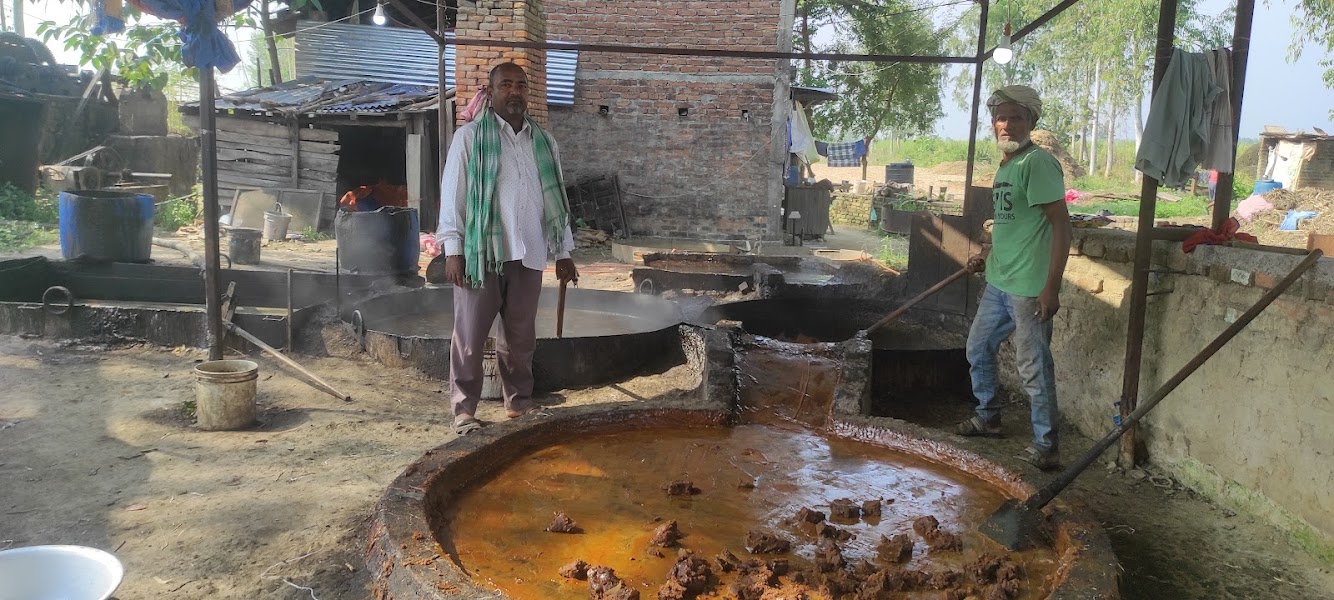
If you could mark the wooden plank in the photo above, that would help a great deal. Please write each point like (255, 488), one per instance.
(268, 142)
(314, 162)
(264, 128)
(418, 170)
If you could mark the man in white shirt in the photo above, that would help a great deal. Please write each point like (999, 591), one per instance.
(502, 211)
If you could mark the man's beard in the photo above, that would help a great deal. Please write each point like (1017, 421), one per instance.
(1009, 146)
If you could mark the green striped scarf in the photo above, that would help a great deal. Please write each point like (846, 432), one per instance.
(484, 238)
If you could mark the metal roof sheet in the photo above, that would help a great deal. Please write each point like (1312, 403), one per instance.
(325, 96)
(401, 55)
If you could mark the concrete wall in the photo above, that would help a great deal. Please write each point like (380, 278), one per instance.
(173, 154)
(1254, 427)
(713, 173)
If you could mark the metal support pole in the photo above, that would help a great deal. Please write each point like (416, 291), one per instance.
(1241, 50)
(208, 160)
(444, 110)
(977, 96)
(1139, 281)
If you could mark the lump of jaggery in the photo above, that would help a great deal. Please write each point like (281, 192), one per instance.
(563, 524)
(1008, 590)
(829, 557)
(897, 549)
(825, 530)
(672, 591)
(727, 561)
(603, 584)
(925, 525)
(692, 573)
(844, 509)
(989, 568)
(871, 508)
(763, 542)
(756, 577)
(944, 541)
(806, 515)
(575, 570)
(681, 487)
(666, 535)
(945, 580)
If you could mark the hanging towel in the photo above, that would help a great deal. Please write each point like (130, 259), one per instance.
(1178, 126)
(1218, 153)
(801, 142)
(822, 148)
(847, 154)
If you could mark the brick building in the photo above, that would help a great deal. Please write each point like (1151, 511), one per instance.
(696, 141)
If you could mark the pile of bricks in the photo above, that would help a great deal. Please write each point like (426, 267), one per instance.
(850, 209)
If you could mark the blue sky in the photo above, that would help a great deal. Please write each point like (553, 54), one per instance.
(1290, 95)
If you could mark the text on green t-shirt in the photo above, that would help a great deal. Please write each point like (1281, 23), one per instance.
(1021, 234)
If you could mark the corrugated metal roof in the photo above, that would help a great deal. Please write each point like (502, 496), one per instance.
(401, 55)
(324, 96)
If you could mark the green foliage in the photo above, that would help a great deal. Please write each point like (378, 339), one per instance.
(1189, 206)
(1313, 23)
(310, 234)
(144, 55)
(20, 235)
(930, 151)
(875, 97)
(177, 213)
(1107, 45)
(17, 205)
(894, 252)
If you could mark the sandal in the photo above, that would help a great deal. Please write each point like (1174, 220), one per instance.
(1044, 461)
(467, 425)
(532, 409)
(977, 427)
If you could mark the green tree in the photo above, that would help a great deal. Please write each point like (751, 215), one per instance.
(1093, 63)
(874, 98)
(1313, 22)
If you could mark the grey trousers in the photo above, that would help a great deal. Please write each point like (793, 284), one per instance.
(513, 295)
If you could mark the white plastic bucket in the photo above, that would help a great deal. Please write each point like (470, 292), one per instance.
(66, 572)
(225, 394)
(275, 226)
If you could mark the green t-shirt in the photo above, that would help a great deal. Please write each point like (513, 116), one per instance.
(1021, 234)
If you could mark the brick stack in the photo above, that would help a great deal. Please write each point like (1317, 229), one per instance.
(502, 20)
(850, 209)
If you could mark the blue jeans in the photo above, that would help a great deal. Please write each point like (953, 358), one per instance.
(998, 316)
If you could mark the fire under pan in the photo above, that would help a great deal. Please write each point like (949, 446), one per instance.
(608, 336)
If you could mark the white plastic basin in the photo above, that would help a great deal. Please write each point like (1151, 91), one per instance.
(58, 573)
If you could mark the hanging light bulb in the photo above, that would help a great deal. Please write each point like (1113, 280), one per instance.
(378, 17)
(1003, 53)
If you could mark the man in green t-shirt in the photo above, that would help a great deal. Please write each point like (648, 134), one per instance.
(1030, 243)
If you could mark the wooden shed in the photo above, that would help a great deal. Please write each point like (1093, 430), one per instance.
(1297, 160)
(329, 136)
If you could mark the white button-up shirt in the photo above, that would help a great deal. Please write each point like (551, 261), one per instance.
(518, 193)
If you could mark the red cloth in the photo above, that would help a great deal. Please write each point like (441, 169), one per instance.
(1214, 238)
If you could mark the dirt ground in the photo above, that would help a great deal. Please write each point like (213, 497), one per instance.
(95, 449)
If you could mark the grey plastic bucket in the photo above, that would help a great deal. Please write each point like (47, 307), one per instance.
(225, 394)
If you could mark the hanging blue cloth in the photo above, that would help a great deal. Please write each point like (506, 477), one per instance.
(205, 45)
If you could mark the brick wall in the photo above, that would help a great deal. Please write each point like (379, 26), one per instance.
(711, 173)
(501, 20)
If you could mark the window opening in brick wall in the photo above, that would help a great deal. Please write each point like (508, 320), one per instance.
(683, 112)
